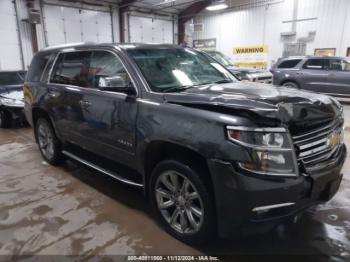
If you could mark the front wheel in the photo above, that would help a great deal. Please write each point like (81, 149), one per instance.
(182, 202)
(49, 145)
(291, 84)
(5, 119)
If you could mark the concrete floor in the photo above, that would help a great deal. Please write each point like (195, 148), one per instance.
(72, 210)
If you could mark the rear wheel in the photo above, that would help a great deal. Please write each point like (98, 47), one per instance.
(49, 145)
(291, 84)
(181, 202)
(5, 119)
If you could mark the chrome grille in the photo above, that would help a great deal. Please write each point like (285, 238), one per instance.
(316, 146)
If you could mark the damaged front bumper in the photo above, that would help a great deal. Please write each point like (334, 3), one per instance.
(243, 200)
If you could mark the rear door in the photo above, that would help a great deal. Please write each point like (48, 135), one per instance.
(68, 79)
(314, 76)
(338, 77)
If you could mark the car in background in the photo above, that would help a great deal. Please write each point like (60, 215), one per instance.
(327, 75)
(250, 74)
(11, 97)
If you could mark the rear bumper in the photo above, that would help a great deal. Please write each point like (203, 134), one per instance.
(243, 200)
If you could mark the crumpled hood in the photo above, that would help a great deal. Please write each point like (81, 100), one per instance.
(292, 107)
(12, 92)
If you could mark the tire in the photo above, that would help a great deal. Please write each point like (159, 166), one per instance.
(291, 85)
(49, 145)
(5, 119)
(188, 216)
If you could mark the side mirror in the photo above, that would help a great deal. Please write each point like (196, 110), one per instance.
(116, 83)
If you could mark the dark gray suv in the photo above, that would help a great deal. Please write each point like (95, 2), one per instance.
(327, 75)
(211, 153)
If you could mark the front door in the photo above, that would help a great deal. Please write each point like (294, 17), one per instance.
(313, 76)
(109, 117)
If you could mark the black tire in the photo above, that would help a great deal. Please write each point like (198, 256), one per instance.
(5, 119)
(52, 151)
(207, 227)
(291, 85)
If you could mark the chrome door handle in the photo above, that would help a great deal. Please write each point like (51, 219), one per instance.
(53, 94)
(83, 103)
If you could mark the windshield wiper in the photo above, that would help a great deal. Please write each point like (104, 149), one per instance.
(223, 81)
(176, 88)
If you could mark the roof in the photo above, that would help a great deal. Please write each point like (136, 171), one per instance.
(313, 57)
(118, 45)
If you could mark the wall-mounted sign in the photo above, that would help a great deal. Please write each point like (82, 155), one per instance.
(205, 44)
(325, 51)
(251, 56)
(198, 27)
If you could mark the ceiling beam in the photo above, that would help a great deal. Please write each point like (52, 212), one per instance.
(188, 14)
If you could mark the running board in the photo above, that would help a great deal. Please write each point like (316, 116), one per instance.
(100, 169)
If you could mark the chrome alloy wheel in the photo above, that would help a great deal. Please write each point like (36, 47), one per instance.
(179, 202)
(45, 139)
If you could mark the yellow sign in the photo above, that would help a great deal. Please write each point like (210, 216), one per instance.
(264, 49)
(251, 56)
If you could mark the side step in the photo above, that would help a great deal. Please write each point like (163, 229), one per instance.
(100, 169)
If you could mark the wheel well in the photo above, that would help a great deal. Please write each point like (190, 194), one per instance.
(39, 113)
(160, 150)
(289, 81)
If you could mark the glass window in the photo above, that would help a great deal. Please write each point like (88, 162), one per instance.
(175, 69)
(72, 69)
(221, 58)
(314, 64)
(289, 63)
(106, 65)
(37, 67)
(10, 78)
(339, 65)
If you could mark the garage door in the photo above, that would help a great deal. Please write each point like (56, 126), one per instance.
(71, 25)
(148, 30)
(10, 56)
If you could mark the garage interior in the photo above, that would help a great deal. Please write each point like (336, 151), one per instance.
(72, 210)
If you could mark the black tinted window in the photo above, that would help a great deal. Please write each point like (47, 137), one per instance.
(72, 69)
(314, 64)
(289, 63)
(37, 67)
(106, 65)
(10, 78)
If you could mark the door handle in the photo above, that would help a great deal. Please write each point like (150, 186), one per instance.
(83, 103)
(53, 94)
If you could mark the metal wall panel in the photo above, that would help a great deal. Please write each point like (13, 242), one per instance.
(10, 55)
(150, 30)
(70, 25)
(257, 22)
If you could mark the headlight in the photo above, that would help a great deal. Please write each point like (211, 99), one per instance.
(11, 102)
(270, 149)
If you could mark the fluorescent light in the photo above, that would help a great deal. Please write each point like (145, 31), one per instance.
(216, 7)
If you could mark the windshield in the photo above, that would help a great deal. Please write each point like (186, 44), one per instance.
(175, 69)
(221, 58)
(10, 78)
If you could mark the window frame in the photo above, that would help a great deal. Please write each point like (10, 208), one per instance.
(288, 60)
(321, 59)
(62, 52)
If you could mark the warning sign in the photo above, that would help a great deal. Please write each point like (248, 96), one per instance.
(251, 56)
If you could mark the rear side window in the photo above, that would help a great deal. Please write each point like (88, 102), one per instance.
(314, 64)
(289, 63)
(37, 68)
(10, 78)
(72, 69)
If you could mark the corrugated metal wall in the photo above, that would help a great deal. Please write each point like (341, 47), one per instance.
(258, 22)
